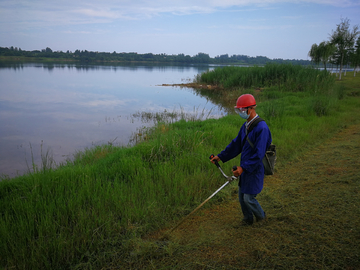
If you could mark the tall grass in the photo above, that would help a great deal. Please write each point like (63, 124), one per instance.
(88, 212)
(47, 160)
(285, 77)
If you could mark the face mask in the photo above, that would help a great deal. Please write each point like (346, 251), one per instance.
(244, 114)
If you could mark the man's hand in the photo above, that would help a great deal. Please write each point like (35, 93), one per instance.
(216, 158)
(238, 171)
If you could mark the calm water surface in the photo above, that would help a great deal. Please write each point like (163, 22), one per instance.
(66, 108)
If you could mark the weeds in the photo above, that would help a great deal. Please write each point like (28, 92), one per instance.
(47, 160)
(340, 91)
(174, 116)
(162, 119)
(320, 105)
(273, 110)
(285, 77)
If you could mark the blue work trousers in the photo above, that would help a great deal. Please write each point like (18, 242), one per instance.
(250, 207)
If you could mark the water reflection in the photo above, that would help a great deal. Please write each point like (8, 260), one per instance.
(107, 66)
(68, 106)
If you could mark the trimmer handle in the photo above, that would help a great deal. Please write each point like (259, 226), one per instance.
(216, 162)
(229, 178)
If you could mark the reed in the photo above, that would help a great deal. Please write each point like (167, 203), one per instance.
(91, 211)
(285, 77)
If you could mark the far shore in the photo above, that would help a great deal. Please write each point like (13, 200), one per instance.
(61, 60)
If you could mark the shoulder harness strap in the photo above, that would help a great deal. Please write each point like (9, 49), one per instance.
(251, 127)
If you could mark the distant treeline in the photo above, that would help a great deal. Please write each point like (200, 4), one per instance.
(200, 58)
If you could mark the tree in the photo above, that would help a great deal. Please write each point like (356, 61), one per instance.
(343, 38)
(314, 54)
(325, 51)
(355, 56)
(202, 58)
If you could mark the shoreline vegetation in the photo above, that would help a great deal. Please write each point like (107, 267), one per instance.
(97, 210)
(84, 56)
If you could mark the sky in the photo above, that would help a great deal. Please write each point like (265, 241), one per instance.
(273, 28)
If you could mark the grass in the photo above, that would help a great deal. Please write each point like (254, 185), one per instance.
(312, 219)
(285, 77)
(95, 211)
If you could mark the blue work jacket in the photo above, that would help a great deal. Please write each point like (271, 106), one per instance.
(252, 178)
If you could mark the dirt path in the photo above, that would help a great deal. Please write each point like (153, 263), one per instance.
(313, 221)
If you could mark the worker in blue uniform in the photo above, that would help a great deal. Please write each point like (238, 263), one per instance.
(251, 169)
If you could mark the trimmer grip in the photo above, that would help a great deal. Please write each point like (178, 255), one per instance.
(234, 168)
(216, 163)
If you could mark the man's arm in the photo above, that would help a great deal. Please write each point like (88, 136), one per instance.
(233, 149)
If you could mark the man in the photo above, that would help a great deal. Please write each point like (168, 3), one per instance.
(251, 169)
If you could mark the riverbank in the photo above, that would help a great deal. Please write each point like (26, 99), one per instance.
(97, 210)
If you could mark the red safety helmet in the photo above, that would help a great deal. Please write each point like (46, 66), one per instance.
(246, 100)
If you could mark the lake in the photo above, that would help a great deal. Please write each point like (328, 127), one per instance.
(60, 109)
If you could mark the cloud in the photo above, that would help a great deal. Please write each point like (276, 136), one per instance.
(98, 13)
(37, 12)
(292, 17)
(229, 3)
(254, 27)
(176, 10)
(77, 32)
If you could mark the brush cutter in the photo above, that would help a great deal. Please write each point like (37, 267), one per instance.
(229, 179)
